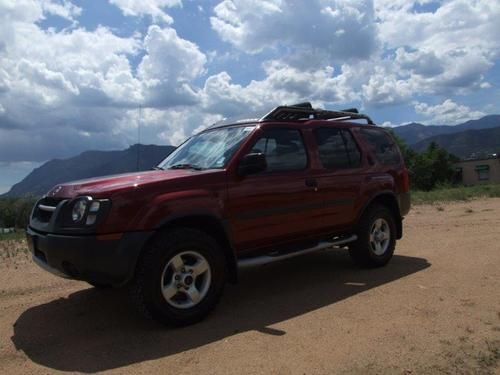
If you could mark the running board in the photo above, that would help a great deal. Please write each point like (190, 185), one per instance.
(265, 259)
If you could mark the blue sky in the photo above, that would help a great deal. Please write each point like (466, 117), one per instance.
(73, 74)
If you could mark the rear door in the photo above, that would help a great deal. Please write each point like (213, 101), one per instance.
(280, 204)
(340, 176)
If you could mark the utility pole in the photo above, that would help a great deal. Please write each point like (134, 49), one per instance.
(139, 137)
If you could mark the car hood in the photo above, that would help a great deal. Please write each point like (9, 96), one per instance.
(108, 185)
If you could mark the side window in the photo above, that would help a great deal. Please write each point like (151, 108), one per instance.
(382, 145)
(337, 148)
(284, 150)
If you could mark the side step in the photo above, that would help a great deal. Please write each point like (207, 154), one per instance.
(265, 259)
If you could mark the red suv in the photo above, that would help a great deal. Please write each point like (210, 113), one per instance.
(237, 194)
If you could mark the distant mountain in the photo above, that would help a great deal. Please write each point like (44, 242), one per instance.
(89, 164)
(415, 132)
(465, 143)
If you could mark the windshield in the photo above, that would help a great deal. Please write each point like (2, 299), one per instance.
(208, 150)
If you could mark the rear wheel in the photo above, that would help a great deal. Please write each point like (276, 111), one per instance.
(376, 238)
(180, 278)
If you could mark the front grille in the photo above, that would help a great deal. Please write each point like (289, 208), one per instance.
(45, 208)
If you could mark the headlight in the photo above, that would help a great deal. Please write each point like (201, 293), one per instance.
(85, 211)
(79, 209)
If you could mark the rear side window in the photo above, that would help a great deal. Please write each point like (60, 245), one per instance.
(337, 148)
(382, 146)
(284, 150)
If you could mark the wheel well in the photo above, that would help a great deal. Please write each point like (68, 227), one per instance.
(214, 228)
(389, 201)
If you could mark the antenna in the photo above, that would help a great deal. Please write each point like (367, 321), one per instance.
(139, 137)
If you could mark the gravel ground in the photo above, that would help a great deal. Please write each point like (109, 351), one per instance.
(434, 309)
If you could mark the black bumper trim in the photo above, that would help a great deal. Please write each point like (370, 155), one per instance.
(404, 203)
(109, 261)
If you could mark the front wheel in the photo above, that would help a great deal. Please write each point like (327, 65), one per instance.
(376, 238)
(180, 278)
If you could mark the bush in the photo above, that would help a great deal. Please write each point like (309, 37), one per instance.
(428, 169)
(457, 193)
(15, 212)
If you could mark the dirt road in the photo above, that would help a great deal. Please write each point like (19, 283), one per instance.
(434, 309)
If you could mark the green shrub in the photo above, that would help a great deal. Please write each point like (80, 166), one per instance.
(14, 212)
(457, 193)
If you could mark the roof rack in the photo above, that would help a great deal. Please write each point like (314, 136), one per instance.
(305, 110)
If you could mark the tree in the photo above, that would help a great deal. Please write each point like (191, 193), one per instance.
(430, 168)
(15, 212)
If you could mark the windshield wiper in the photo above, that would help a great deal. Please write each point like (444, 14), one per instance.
(186, 166)
(158, 168)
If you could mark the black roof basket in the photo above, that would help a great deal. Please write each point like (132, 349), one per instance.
(305, 110)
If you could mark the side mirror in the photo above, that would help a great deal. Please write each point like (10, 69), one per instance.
(252, 164)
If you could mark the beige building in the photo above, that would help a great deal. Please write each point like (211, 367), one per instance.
(482, 171)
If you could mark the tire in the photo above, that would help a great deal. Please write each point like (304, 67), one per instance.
(163, 289)
(376, 250)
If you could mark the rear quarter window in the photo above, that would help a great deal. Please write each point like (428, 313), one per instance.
(382, 146)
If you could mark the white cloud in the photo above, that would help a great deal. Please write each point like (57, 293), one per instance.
(76, 89)
(331, 29)
(442, 52)
(422, 63)
(153, 8)
(284, 84)
(168, 68)
(61, 8)
(446, 113)
(80, 88)
(384, 87)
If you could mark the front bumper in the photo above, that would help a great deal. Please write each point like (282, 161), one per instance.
(106, 259)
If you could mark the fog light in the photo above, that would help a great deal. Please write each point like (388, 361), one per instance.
(91, 219)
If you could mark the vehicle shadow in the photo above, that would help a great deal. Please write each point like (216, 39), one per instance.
(94, 330)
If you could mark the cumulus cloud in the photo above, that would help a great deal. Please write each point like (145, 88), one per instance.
(284, 84)
(447, 113)
(333, 29)
(384, 87)
(443, 50)
(61, 8)
(153, 8)
(64, 91)
(168, 68)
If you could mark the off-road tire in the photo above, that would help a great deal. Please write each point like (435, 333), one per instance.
(145, 288)
(361, 251)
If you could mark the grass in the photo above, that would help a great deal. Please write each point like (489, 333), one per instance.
(450, 194)
(17, 235)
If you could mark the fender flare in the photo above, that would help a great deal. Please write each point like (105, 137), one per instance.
(383, 197)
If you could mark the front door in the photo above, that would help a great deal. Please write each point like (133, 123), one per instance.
(279, 204)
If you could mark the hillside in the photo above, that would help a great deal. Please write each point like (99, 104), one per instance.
(415, 132)
(88, 164)
(463, 144)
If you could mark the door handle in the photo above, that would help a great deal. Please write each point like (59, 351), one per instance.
(312, 182)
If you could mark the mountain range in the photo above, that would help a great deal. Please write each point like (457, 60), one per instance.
(480, 136)
(414, 132)
(89, 164)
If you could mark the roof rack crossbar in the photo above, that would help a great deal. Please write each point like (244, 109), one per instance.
(306, 111)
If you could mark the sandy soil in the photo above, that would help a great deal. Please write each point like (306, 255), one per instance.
(434, 309)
